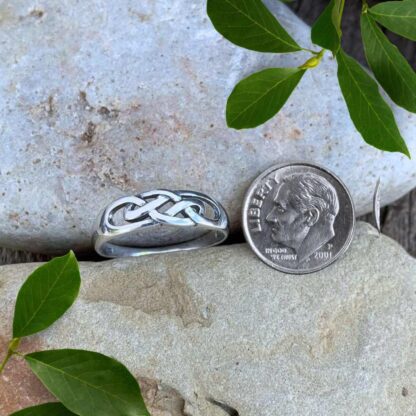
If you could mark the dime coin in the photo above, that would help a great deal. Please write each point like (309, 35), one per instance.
(298, 217)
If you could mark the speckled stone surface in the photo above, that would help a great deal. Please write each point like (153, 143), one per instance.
(218, 326)
(104, 98)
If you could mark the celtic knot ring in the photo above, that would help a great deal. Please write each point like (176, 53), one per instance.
(160, 221)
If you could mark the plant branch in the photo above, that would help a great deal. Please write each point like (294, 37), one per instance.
(311, 51)
(365, 6)
(341, 11)
(13, 344)
(314, 61)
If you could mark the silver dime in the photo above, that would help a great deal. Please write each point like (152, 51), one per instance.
(298, 217)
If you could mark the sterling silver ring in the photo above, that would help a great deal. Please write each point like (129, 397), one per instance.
(160, 221)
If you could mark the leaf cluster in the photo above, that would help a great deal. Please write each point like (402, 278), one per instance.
(86, 383)
(257, 98)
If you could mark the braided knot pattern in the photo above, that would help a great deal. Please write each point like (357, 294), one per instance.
(179, 208)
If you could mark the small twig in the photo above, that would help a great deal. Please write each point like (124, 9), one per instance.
(311, 51)
(314, 61)
(13, 344)
(365, 6)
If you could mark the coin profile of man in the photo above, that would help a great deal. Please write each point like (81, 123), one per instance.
(304, 210)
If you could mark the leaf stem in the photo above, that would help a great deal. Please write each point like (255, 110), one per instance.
(365, 6)
(13, 344)
(341, 11)
(311, 51)
(314, 61)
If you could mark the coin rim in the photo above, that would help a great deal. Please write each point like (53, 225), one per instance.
(245, 225)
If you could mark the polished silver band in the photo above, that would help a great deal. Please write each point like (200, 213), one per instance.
(160, 221)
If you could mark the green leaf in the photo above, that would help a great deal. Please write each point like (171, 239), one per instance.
(390, 67)
(88, 383)
(47, 409)
(370, 114)
(397, 16)
(326, 32)
(259, 97)
(46, 295)
(248, 23)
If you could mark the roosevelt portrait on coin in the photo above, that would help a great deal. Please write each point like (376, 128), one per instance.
(304, 210)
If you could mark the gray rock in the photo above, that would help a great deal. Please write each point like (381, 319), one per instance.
(104, 98)
(218, 326)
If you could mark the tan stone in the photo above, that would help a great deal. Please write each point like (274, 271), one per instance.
(213, 330)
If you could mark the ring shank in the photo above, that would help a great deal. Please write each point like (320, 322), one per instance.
(105, 248)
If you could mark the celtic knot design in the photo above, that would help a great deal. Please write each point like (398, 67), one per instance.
(126, 225)
(179, 208)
